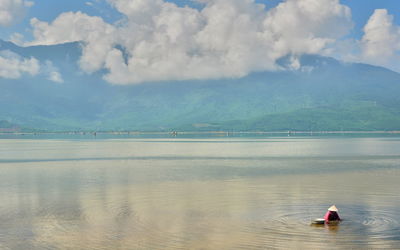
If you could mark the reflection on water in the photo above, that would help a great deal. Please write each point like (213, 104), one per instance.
(199, 194)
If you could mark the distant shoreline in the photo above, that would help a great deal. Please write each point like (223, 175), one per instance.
(198, 132)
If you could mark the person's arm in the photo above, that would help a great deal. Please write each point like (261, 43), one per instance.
(326, 217)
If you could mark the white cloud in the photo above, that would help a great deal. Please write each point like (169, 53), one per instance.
(227, 38)
(13, 66)
(70, 27)
(381, 41)
(55, 76)
(17, 38)
(12, 11)
(52, 73)
(307, 26)
(380, 44)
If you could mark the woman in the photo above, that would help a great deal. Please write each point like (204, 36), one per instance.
(332, 214)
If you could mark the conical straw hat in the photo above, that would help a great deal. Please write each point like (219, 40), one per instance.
(333, 208)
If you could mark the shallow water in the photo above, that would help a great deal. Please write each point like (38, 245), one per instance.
(228, 193)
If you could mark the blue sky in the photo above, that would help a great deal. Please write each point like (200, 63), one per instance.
(197, 39)
(363, 9)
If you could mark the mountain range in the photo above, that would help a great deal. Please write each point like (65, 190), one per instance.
(324, 94)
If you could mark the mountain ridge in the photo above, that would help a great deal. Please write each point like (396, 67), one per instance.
(322, 94)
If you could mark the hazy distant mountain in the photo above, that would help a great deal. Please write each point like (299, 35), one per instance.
(323, 94)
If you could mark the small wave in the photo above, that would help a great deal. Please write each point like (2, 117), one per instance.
(382, 224)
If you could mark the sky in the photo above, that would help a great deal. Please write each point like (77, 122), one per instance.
(139, 41)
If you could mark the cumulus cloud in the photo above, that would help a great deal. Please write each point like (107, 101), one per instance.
(51, 72)
(97, 35)
(17, 38)
(157, 40)
(307, 26)
(55, 76)
(12, 11)
(13, 66)
(381, 41)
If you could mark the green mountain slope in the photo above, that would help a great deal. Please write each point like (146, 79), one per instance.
(354, 118)
(324, 94)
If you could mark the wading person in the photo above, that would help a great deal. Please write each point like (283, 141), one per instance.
(332, 214)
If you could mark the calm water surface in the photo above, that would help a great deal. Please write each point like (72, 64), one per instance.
(232, 193)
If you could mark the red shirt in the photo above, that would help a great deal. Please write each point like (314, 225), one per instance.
(331, 216)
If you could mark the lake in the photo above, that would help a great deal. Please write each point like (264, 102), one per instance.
(199, 193)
